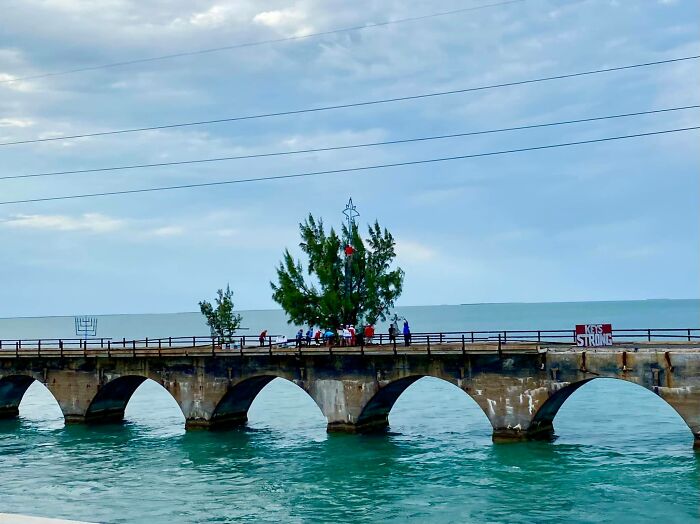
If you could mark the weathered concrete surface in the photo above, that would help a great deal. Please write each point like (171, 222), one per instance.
(520, 392)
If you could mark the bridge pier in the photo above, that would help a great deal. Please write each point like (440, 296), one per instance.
(376, 424)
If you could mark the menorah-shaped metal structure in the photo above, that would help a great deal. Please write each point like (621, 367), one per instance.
(85, 327)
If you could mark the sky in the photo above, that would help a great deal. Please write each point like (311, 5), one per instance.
(608, 221)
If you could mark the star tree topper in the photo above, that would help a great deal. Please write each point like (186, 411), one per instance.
(350, 213)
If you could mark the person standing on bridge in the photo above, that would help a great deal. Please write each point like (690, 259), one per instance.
(300, 337)
(392, 334)
(262, 338)
(406, 334)
(369, 333)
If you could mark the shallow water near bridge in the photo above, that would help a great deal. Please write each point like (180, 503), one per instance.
(623, 455)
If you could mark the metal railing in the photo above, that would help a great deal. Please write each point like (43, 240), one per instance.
(280, 344)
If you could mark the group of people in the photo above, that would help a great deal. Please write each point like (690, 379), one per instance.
(345, 335)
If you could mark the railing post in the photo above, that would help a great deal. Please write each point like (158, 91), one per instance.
(500, 352)
(213, 345)
(241, 341)
(146, 342)
(194, 342)
(539, 336)
(124, 342)
(170, 342)
(440, 338)
(133, 348)
(109, 348)
(38, 345)
(464, 349)
(38, 351)
(17, 349)
(472, 337)
(85, 348)
(648, 335)
(505, 337)
(269, 344)
(688, 335)
(381, 338)
(428, 338)
(102, 343)
(60, 347)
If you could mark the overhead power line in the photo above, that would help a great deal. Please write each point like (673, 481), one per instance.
(370, 25)
(353, 104)
(351, 146)
(345, 170)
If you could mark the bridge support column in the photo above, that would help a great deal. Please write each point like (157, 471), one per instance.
(686, 401)
(74, 392)
(343, 402)
(510, 404)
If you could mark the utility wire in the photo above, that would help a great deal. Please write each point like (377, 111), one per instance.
(351, 146)
(346, 170)
(261, 42)
(354, 104)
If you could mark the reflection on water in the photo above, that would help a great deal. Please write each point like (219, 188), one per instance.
(622, 455)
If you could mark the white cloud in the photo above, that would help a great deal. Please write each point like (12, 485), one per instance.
(217, 15)
(90, 222)
(15, 122)
(9, 81)
(288, 21)
(412, 251)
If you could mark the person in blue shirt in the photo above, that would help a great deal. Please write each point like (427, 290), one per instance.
(406, 334)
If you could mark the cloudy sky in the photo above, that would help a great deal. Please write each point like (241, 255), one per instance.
(616, 220)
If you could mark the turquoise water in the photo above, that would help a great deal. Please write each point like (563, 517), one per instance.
(622, 455)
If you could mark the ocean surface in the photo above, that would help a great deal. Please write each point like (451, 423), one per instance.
(622, 454)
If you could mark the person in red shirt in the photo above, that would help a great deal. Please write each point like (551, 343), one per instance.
(369, 333)
(352, 335)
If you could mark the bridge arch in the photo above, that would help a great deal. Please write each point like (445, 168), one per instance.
(232, 409)
(110, 401)
(542, 425)
(375, 414)
(12, 390)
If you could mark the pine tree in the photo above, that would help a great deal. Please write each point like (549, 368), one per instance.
(221, 319)
(350, 280)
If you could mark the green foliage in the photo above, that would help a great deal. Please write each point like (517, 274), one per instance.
(322, 300)
(221, 319)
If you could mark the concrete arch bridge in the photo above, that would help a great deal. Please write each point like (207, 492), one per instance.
(520, 388)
